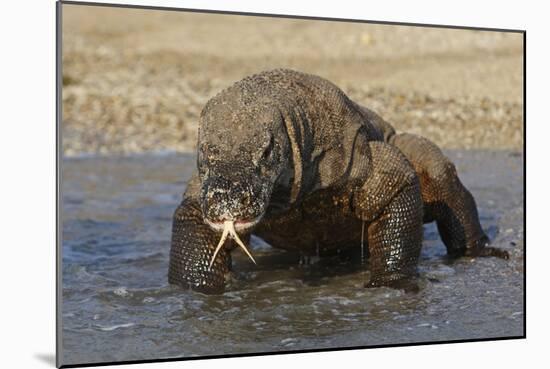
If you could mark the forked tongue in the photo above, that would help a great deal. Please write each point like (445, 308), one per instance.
(229, 230)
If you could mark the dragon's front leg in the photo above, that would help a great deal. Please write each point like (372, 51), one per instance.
(192, 251)
(390, 202)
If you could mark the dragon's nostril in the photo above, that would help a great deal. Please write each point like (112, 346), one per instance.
(245, 200)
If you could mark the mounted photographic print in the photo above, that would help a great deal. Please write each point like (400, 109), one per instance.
(240, 184)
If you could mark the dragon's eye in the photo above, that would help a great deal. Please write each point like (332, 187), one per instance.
(268, 149)
(267, 153)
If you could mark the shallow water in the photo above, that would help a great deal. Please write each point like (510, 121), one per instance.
(117, 304)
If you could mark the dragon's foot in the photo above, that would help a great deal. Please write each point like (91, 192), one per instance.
(481, 248)
(488, 251)
(408, 284)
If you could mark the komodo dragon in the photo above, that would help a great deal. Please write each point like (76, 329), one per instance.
(287, 156)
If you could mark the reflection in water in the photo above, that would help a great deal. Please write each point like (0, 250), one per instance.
(117, 304)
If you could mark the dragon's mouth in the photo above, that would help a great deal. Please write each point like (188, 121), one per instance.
(228, 229)
(239, 225)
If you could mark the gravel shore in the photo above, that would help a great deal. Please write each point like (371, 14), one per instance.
(137, 80)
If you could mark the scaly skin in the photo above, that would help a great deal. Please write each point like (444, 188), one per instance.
(289, 157)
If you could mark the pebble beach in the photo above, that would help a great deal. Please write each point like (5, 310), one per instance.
(137, 81)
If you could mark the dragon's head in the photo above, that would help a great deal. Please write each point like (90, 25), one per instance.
(243, 151)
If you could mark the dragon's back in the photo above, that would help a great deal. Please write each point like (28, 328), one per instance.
(325, 107)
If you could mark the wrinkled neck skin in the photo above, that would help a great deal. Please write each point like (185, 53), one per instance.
(341, 158)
